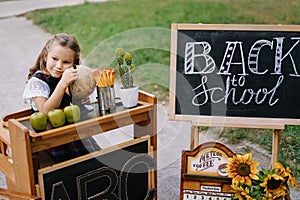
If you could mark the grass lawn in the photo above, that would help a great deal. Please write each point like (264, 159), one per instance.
(144, 26)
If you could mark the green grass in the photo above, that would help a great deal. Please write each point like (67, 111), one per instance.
(289, 154)
(101, 27)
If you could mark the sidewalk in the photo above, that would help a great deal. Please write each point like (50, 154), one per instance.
(14, 8)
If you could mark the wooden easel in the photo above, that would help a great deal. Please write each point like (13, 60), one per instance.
(277, 134)
(194, 83)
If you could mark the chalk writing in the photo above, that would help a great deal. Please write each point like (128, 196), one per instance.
(207, 160)
(235, 68)
(118, 174)
(85, 180)
(115, 182)
(248, 95)
(59, 191)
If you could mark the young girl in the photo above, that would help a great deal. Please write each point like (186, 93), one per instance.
(47, 82)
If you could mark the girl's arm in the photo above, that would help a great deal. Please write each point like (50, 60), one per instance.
(46, 104)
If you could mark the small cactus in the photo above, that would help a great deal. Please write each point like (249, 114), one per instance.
(132, 67)
(126, 71)
(119, 55)
(128, 58)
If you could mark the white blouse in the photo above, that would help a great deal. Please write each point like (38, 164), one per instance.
(35, 87)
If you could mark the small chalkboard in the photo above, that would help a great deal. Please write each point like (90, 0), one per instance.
(118, 172)
(203, 172)
(235, 75)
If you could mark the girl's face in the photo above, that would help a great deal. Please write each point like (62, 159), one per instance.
(59, 59)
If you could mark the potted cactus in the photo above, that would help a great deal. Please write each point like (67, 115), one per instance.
(129, 91)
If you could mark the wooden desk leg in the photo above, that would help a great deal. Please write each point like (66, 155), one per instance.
(22, 158)
(277, 134)
(194, 137)
(149, 128)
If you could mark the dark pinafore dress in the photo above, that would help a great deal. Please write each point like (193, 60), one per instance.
(73, 149)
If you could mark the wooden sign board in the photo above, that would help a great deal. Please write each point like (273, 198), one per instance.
(235, 75)
(203, 173)
(119, 172)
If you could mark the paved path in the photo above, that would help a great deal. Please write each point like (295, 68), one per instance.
(20, 43)
(14, 8)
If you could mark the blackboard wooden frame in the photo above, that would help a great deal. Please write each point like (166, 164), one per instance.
(45, 173)
(225, 121)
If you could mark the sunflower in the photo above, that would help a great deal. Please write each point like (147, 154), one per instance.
(292, 181)
(241, 193)
(274, 186)
(280, 169)
(242, 169)
(286, 173)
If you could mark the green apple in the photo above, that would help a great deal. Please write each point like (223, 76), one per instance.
(56, 117)
(38, 121)
(72, 113)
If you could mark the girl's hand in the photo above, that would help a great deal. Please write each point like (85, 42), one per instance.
(69, 76)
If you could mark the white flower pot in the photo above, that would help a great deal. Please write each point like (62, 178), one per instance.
(129, 96)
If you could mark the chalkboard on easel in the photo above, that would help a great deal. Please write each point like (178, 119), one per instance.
(120, 172)
(244, 72)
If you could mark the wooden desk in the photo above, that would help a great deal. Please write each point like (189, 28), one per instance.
(16, 133)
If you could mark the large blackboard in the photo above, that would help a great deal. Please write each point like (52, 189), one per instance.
(235, 71)
(114, 173)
